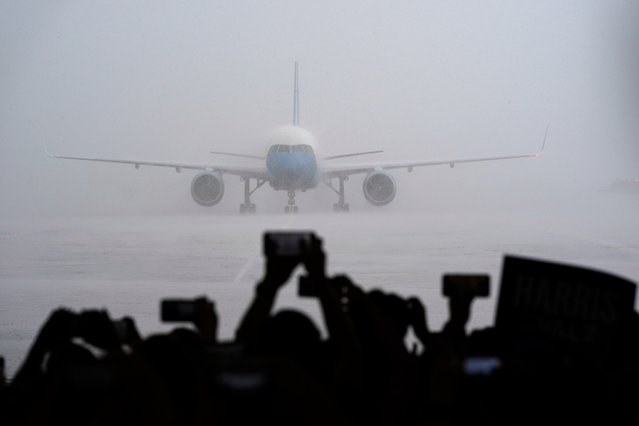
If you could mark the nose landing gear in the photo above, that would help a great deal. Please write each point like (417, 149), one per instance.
(291, 208)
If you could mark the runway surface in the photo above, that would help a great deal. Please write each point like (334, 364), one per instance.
(127, 264)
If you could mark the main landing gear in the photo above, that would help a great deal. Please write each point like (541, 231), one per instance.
(249, 207)
(291, 208)
(341, 205)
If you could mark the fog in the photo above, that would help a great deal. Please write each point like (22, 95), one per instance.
(421, 80)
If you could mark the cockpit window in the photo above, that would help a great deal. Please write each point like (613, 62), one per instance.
(290, 148)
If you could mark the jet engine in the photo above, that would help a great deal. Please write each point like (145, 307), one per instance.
(379, 187)
(207, 188)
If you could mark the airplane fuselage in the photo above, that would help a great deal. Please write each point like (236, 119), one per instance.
(292, 167)
(292, 164)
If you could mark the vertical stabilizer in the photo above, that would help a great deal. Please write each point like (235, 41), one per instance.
(296, 99)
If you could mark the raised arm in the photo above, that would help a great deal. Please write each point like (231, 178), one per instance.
(278, 271)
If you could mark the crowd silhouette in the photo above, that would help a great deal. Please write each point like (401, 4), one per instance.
(550, 357)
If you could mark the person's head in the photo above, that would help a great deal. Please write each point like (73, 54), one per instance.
(169, 351)
(293, 334)
(393, 308)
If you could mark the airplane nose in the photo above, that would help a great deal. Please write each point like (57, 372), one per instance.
(292, 167)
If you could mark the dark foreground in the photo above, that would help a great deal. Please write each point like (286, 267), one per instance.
(564, 348)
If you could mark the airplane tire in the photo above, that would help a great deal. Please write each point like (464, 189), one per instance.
(287, 209)
(242, 209)
(252, 208)
(345, 207)
(296, 209)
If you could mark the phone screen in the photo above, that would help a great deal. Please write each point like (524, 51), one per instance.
(475, 285)
(481, 366)
(177, 310)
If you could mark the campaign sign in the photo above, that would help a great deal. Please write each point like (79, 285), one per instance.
(565, 306)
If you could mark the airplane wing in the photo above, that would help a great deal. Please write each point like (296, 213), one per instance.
(250, 172)
(345, 170)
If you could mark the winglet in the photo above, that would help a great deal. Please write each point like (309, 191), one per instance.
(296, 98)
(47, 151)
(543, 145)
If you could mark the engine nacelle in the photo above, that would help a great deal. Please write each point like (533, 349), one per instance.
(207, 188)
(379, 187)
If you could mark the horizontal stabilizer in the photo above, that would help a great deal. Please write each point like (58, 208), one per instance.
(231, 154)
(332, 157)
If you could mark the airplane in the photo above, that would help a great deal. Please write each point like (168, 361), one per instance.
(291, 165)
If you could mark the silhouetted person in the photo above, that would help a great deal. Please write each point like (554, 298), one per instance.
(290, 342)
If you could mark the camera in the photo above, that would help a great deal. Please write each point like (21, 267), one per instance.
(466, 285)
(177, 310)
(290, 244)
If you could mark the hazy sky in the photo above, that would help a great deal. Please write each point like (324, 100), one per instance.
(162, 80)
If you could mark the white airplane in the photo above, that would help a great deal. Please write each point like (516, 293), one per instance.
(291, 165)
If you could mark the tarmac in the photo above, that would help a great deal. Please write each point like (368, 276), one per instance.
(127, 264)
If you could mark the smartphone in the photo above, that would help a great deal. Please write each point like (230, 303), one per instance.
(177, 310)
(291, 244)
(481, 366)
(306, 287)
(246, 380)
(470, 285)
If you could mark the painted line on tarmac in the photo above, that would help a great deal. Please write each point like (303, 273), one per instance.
(247, 266)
